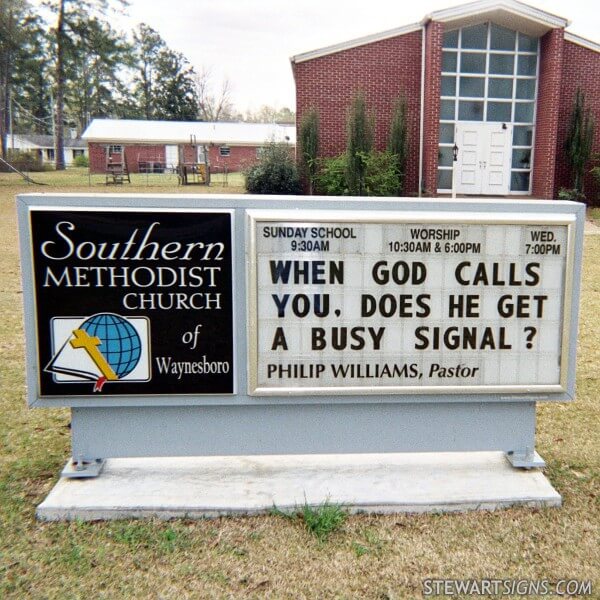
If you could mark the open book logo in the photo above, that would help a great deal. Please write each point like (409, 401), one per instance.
(102, 348)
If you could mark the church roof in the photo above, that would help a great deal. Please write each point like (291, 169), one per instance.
(507, 13)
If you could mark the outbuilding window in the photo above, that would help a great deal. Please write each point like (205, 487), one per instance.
(224, 151)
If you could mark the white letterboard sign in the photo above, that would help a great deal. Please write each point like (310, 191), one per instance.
(386, 303)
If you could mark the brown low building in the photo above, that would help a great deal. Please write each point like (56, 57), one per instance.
(159, 146)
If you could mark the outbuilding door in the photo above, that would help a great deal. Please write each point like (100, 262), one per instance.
(484, 153)
(172, 156)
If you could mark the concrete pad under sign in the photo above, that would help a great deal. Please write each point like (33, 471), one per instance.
(377, 483)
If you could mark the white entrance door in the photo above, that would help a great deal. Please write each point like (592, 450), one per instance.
(483, 165)
(172, 156)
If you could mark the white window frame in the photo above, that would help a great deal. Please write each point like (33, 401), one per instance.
(486, 76)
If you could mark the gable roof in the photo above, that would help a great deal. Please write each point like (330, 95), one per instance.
(361, 41)
(508, 13)
(179, 132)
(581, 41)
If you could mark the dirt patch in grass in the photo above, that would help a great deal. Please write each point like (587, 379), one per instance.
(271, 557)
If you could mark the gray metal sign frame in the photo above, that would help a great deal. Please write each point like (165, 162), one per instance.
(245, 424)
(408, 217)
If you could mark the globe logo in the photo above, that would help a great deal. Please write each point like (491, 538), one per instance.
(120, 343)
(103, 348)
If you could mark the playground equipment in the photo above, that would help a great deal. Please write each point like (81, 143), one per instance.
(116, 170)
(197, 170)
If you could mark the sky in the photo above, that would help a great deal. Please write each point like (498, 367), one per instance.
(250, 42)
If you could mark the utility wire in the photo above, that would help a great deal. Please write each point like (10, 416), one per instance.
(43, 120)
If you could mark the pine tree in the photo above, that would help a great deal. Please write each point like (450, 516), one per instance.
(32, 80)
(147, 47)
(97, 56)
(176, 98)
(21, 61)
(68, 12)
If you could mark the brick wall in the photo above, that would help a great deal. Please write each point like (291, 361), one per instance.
(431, 107)
(547, 114)
(239, 158)
(97, 154)
(133, 153)
(383, 70)
(581, 68)
(190, 154)
(142, 153)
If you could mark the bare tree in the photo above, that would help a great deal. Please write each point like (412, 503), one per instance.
(213, 105)
(271, 114)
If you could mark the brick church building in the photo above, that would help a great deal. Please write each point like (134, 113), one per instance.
(496, 78)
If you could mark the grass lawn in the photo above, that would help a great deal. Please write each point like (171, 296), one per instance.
(594, 215)
(79, 179)
(272, 556)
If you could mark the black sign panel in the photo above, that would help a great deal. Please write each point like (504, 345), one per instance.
(133, 302)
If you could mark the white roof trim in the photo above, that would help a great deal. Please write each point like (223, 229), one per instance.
(580, 41)
(362, 41)
(174, 142)
(23, 141)
(511, 6)
(126, 131)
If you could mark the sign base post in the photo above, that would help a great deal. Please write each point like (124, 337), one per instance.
(529, 459)
(79, 468)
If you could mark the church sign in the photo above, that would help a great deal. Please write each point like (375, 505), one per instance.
(398, 304)
(233, 325)
(131, 302)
